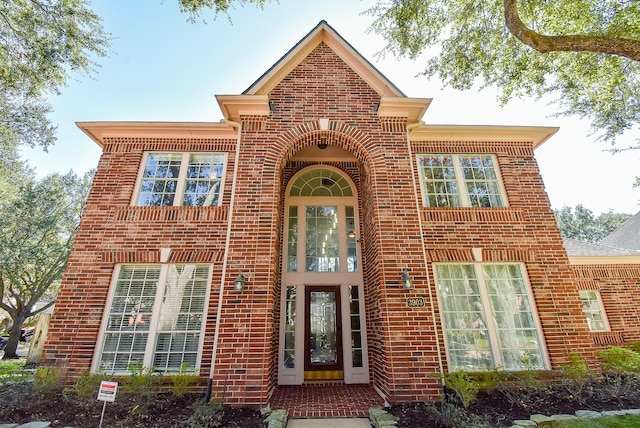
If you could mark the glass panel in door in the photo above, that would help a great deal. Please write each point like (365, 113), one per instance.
(323, 332)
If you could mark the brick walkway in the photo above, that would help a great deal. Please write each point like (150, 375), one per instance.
(325, 400)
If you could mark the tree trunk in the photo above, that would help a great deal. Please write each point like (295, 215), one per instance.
(14, 338)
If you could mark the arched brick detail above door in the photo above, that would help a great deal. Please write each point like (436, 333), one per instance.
(338, 134)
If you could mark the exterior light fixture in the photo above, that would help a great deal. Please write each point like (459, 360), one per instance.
(407, 282)
(351, 234)
(238, 284)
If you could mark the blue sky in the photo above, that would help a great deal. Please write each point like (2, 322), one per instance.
(163, 68)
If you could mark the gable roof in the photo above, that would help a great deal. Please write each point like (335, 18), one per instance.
(255, 99)
(626, 236)
(323, 32)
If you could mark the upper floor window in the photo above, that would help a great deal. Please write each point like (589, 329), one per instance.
(460, 181)
(593, 309)
(190, 179)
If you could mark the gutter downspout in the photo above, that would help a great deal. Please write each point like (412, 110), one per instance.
(216, 334)
(424, 250)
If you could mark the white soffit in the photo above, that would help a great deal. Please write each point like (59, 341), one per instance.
(534, 134)
(98, 131)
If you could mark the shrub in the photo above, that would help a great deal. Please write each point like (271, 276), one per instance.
(206, 415)
(619, 361)
(141, 379)
(450, 415)
(530, 375)
(576, 376)
(88, 384)
(184, 380)
(620, 367)
(465, 386)
(46, 378)
(488, 379)
(634, 346)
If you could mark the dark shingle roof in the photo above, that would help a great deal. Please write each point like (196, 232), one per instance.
(585, 249)
(626, 236)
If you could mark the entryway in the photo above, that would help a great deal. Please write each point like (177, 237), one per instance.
(322, 325)
(326, 400)
(323, 333)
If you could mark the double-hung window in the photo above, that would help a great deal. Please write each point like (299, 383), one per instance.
(593, 309)
(488, 317)
(155, 318)
(460, 180)
(190, 179)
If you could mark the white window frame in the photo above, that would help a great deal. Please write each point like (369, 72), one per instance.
(182, 177)
(586, 299)
(463, 195)
(153, 320)
(494, 346)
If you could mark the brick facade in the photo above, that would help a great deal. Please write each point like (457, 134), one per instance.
(245, 234)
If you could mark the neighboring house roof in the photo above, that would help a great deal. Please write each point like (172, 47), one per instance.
(586, 253)
(626, 236)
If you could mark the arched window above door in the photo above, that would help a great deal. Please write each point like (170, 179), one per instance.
(321, 182)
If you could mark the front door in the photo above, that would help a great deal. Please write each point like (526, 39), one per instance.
(323, 333)
(322, 328)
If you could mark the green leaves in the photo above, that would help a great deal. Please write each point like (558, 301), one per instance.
(195, 7)
(469, 45)
(38, 221)
(41, 43)
(581, 224)
(42, 40)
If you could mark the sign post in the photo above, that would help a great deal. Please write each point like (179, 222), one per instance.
(107, 392)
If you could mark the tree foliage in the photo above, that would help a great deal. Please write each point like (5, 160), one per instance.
(38, 220)
(194, 7)
(585, 52)
(581, 224)
(42, 43)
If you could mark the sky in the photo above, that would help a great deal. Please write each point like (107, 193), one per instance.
(163, 68)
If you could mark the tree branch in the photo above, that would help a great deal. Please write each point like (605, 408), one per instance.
(628, 48)
(37, 311)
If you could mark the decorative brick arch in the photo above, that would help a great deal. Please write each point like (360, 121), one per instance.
(338, 134)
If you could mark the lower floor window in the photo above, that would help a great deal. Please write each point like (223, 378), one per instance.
(155, 318)
(593, 309)
(488, 317)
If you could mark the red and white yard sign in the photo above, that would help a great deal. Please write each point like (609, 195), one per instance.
(107, 391)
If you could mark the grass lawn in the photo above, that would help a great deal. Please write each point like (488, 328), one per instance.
(612, 422)
(13, 371)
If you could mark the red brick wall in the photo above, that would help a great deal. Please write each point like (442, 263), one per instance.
(406, 347)
(113, 232)
(618, 286)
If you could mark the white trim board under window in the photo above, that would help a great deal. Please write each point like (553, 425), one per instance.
(155, 319)
(176, 178)
(462, 180)
(489, 317)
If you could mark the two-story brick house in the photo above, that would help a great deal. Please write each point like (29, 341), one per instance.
(319, 232)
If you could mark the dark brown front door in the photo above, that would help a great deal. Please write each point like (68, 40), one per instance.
(323, 333)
